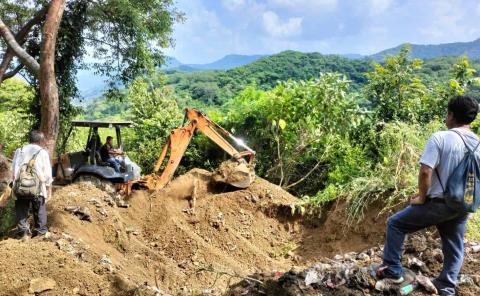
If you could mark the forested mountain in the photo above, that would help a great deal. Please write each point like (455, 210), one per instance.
(217, 81)
(227, 62)
(471, 49)
(215, 87)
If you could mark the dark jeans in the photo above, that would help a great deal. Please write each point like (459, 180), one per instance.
(451, 227)
(115, 163)
(39, 211)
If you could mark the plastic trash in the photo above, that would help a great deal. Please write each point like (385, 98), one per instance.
(313, 277)
(426, 283)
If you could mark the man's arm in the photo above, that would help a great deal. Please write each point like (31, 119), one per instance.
(424, 183)
(47, 170)
(15, 164)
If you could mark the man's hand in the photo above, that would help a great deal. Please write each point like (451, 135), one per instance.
(418, 200)
(49, 193)
(116, 152)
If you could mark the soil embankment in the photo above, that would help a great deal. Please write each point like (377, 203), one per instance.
(168, 241)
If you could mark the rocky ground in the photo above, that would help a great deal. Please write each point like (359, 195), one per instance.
(351, 273)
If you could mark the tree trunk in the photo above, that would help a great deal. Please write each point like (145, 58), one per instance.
(49, 101)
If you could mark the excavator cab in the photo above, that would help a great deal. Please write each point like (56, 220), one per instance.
(87, 164)
(238, 172)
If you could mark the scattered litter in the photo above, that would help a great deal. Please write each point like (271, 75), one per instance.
(313, 277)
(475, 249)
(465, 280)
(415, 263)
(105, 260)
(426, 283)
(350, 273)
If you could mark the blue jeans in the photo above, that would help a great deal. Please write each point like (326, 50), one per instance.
(115, 163)
(451, 227)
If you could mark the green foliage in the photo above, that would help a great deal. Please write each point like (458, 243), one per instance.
(454, 49)
(15, 94)
(395, 90)
(154, 113)
(473, 227)
(125, 37)
(295, 127)
(127, 34)
(15, 119)
(217, 87)
(8, 219)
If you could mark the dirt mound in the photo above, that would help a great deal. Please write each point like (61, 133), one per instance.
(164, 239)
(23, 262)
(350, 273)
(335, 234)
(194, 236)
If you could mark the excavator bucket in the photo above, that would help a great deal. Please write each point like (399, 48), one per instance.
(237, 173)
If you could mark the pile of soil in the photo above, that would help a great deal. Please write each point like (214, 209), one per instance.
(163, 238)
(22, 263)
(351, 273)
(194, 236)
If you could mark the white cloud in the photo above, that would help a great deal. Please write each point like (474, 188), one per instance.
(306, 4)
(379, 6)
(478, 8)
(274, 26)
(233, 4)
(446, 23)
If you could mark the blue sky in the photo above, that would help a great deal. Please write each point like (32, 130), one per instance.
(215, 28)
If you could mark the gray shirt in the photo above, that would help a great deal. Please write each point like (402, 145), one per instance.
(444, 151)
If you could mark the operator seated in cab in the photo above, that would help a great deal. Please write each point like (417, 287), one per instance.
(108, 154)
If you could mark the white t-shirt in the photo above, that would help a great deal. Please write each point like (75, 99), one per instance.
(42, 164)
(444, 151)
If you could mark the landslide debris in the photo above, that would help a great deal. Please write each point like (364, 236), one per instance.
(350, 273)
(194, 236)
(162, 243)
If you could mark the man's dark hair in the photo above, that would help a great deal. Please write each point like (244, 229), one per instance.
(463, 108)
(35, 137)
(109, 138)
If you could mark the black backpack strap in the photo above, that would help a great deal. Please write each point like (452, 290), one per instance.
(463, 140)
(36, 154)
(32, 160)
(465, 143)
(439, 180)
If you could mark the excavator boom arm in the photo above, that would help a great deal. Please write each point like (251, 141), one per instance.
(179, 140)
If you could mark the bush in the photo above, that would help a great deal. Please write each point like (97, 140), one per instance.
(155, 113)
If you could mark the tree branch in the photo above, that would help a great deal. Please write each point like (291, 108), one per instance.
(31, 64)
(21, 37)
(304, 177)
(12, 73)
(101, 41)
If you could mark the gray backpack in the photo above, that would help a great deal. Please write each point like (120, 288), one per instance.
(28, 184)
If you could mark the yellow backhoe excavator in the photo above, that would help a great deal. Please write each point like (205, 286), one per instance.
(238, 172)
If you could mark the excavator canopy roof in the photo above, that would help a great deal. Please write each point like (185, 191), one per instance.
(104, 124)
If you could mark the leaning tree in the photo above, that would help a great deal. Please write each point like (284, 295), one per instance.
(46, 42)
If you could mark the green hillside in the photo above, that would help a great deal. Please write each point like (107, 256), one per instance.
(471, 49)
(216, 87)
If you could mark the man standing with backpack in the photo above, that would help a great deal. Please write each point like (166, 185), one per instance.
(446, 193)
(32, 175)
